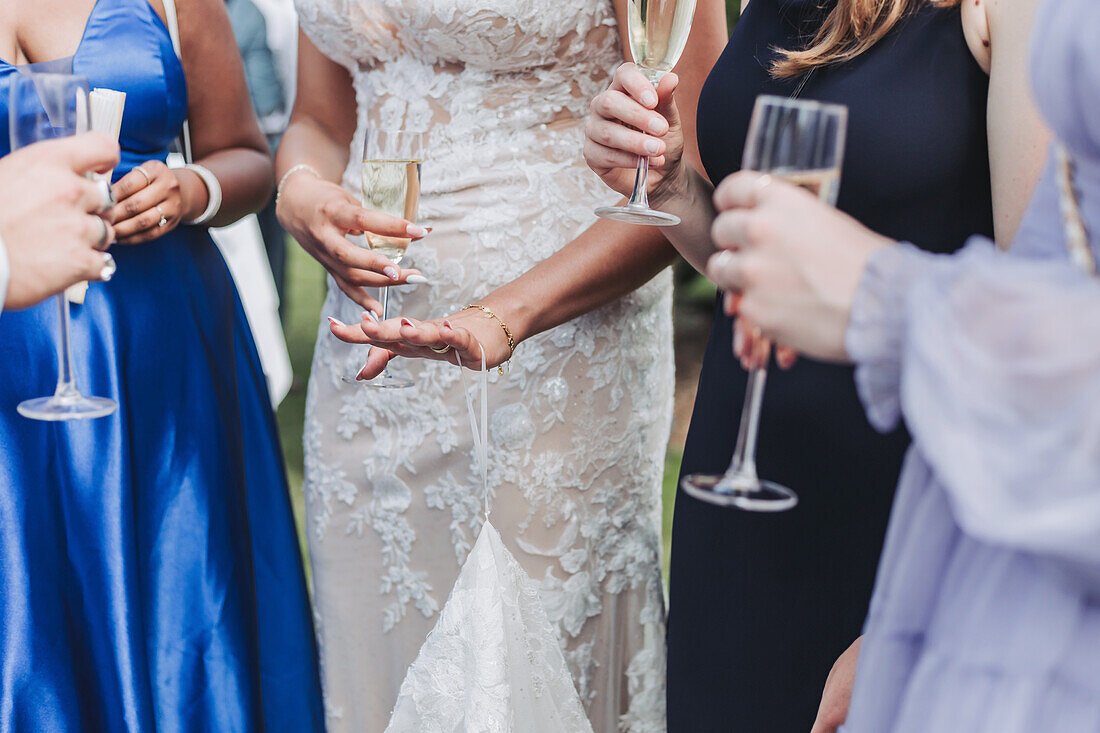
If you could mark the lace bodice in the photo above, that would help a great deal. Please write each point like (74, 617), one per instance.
(495, 64)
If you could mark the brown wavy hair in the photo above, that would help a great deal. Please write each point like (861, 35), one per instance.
(850, 28)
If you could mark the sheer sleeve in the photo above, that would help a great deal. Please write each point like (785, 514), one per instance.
(994, 361)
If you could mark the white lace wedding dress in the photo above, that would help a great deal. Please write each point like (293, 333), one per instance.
(581, 418)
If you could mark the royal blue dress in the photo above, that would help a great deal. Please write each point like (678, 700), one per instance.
(150, 576)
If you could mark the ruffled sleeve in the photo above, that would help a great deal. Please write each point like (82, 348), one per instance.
(1065, 70)
(994, 361)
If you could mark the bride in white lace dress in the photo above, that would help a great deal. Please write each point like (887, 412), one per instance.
(580, 418)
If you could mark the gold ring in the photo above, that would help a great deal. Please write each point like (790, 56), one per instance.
(444, 350)
(163, 219)
(148, 178)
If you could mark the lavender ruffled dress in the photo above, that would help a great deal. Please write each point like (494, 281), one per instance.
(986, 612)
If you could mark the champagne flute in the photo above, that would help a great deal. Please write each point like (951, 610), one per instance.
(45, 106)
(658, 31)
(391, 184)
(801, 142)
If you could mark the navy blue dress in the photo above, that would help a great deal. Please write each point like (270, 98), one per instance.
(761, 605)
(150, 576)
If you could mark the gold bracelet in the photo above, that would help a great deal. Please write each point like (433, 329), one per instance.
(511, 341)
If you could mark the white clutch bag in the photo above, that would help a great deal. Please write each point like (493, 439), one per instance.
(493, 663)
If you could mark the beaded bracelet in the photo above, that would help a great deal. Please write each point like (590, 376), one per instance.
(289, 173)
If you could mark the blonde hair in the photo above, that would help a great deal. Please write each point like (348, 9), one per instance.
(850, 28)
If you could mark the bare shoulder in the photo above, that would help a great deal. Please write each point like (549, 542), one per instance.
(975, 22)
(989, 24)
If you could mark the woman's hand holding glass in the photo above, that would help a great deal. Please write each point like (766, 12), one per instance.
(460, 336)
(320, 215)
(630, 120)
(794, 262)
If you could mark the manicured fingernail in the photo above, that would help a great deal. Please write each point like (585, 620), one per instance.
(109, 267)
(407, 322)
(738, 341)
(416, 280)
(369, 315)
(656, 125)
(359, 375)
(649, 99)
(333, 322)
(415, 230)
(652, 147)
(447, 325)
(392, 273)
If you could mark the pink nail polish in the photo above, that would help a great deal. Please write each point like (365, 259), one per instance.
(392, 273)
(447, 325)
(333, 322)
(407, 322)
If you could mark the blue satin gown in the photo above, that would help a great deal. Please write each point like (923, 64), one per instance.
(150, 577)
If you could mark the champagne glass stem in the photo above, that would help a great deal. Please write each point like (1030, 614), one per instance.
(66, 382)
(639, 197)
(744, 455)
(385, 303)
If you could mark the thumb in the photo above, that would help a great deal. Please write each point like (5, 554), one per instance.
(90, 152)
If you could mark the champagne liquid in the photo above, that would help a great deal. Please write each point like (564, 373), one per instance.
(392, 187)
(825, 184)
(658, 31)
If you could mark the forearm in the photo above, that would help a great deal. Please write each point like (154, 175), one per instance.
(691, 197)
(307, 142)
(606, 262)
(246, 177)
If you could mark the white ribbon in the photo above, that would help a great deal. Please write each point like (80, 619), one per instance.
(481, 436)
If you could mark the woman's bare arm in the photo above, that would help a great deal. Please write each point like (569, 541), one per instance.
(225, 136)
(323, 121)
(998, 33)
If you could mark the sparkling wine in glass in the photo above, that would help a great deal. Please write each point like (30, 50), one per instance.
(44, 106)
(391, 185)
(801, 142)
(658, 31)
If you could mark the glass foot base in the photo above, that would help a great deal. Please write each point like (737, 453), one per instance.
(74, 407)
(743, 492)
(638, 215)
(382, 381)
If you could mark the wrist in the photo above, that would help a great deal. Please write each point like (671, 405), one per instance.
(672, 186)
(194, 197)
(519, 315)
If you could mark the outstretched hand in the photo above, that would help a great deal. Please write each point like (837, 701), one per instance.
(459, 337)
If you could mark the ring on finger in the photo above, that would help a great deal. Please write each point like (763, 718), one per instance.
(439, 350)
(148, 178)
(163, 219)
